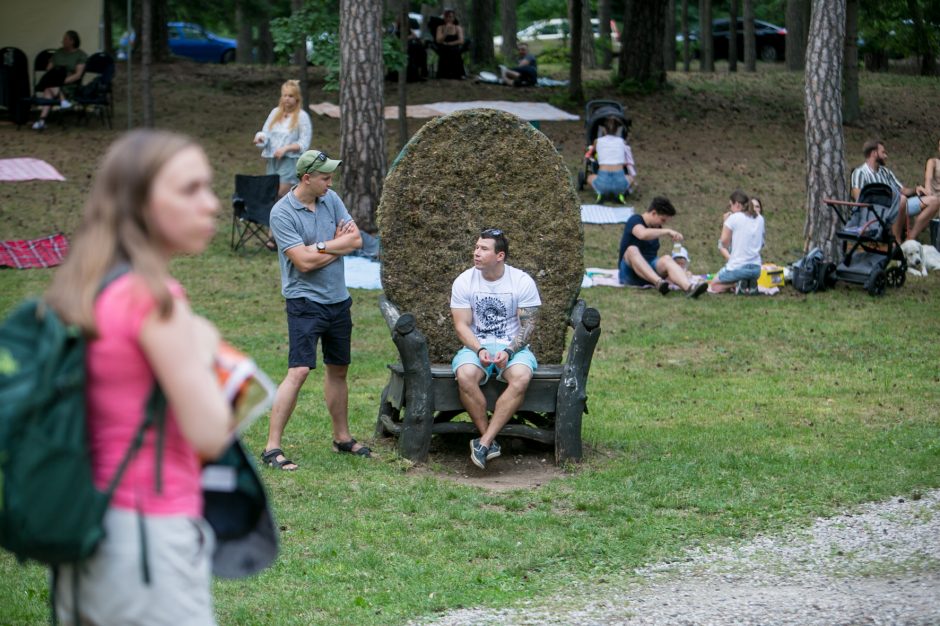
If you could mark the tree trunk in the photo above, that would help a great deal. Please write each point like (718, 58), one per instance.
(795, 43)
(509, 25)
(265, 40)
(362, 125)
(705, 41)
(588, 57)
(481, 33)
(669, 37)
(733, 37)
(107, 33)
(575, 16)
(300, 60)
(146, 47)
(922, 40)
(686, 45)
(825, 145)
(851, 111)
(641, 43)
(160, 36)
(403, 31)
(243, 25)
(607, 41)
(750, 42)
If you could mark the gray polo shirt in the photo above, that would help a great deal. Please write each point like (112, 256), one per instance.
(293, 225)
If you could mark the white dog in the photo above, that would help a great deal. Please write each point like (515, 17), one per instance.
(914, 253)
(931, 258)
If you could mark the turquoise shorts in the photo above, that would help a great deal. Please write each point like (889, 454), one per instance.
(466, 355)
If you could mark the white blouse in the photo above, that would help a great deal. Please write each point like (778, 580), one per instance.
(281, 134)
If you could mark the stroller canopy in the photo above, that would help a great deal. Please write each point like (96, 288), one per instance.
(596, 111)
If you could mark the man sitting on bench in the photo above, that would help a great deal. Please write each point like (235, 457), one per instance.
(495, 308)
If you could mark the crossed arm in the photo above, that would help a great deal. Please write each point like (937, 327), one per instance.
(345, 240)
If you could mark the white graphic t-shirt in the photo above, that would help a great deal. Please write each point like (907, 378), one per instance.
(494, 304)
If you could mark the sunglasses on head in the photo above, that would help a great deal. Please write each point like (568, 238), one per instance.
(491, 233)
(320, 158)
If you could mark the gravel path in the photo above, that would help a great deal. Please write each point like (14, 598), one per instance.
(879, 565)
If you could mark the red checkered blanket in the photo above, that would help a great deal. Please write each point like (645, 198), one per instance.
(26, 253)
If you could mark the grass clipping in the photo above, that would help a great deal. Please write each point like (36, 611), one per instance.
(464, 172)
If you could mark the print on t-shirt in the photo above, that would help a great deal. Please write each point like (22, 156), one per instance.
(491, 314)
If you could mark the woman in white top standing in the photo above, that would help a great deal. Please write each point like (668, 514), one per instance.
(742, 237)
(285, 136)
(616, 170)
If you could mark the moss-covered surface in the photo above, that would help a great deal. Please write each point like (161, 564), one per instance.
(460, 174)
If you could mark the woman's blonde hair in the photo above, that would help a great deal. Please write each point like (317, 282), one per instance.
(294, 86)
(116, 228)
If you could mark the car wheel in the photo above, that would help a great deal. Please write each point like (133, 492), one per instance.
(228, 56)
(768, 54)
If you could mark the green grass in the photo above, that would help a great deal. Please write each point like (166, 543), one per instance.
(709, 420)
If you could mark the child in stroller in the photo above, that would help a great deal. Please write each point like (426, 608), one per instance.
(608, 163)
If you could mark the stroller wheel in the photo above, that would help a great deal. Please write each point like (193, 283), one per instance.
(895, 276)
(581, 181)
(875, 285)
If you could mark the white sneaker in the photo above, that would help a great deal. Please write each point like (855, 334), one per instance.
(65, 104)
(39, 124)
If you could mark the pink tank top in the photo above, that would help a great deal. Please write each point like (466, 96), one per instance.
(120, 381)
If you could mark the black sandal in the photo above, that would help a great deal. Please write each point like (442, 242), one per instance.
(347, 448)
(269, 458)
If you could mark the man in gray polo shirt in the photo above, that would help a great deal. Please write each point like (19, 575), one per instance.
(313, 231)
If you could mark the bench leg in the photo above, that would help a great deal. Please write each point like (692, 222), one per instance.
(415, 439)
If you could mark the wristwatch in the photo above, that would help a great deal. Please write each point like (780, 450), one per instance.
(321, 246)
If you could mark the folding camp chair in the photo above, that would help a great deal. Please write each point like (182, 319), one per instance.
(94, 94)
(251, 208)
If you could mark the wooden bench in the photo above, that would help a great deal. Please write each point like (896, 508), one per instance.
(550, 413)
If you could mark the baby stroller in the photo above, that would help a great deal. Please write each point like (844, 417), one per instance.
(870, 254)
(595, 113)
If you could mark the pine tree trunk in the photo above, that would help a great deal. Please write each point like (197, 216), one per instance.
(361, 98)
(508, 25)
(733, 37)
(922, 41)
(300, 60)
(160, 36)
(403, 32)
(795, 42)
(825, 145)
(705, 41)
(575, 91)
(265, 40)
(669, 37)
(243, 26)
(146, 48)
(588, 58)
(851, 111)
(641, 44)
(481, 33)
(750, 41)
(603, 15)
(686, 45)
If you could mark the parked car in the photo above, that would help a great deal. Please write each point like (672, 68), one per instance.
(192, 41)
(548, 30)
(770, 40)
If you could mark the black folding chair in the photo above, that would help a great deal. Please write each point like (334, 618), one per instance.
(95, 94)
(251, 208)
(14, 84)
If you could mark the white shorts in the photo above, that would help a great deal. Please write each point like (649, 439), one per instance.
(111, 587)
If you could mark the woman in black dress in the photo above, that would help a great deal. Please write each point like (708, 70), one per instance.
(449, 39)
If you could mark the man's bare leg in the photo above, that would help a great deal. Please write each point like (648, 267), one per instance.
(929, 207)
(471, 396)
(285, 400)
(641, 266)
(517, 379)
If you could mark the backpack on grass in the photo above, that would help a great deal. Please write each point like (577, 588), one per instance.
(812, 273)
(50, 509)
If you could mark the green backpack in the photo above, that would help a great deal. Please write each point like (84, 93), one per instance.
(50, 509)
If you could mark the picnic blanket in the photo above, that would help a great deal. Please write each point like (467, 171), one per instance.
(492, 79)
(29, 253)
(27, 169)
(526, 110)
(600, 214)
(362, 273)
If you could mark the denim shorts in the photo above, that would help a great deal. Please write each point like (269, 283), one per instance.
(913, 206)
(629, 277)
(745, 272)
(611, 183)
(309, 321)
(466, 355)
(285, 168)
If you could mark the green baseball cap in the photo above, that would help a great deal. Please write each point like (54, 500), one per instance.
(315, 161)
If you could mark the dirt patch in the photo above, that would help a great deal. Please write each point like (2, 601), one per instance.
(523, 465)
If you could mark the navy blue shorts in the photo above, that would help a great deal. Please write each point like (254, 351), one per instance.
(308, 321)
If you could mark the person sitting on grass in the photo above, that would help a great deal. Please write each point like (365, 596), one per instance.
(525, 73)
(494, 307)
(742, 237)
(638, 263)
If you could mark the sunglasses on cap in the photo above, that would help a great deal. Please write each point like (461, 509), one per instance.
(320, 158)
(491, 233)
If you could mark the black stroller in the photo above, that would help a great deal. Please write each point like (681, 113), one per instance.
(595, 112)
(870, 254)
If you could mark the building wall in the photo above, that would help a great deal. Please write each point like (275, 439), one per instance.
(35, 26)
